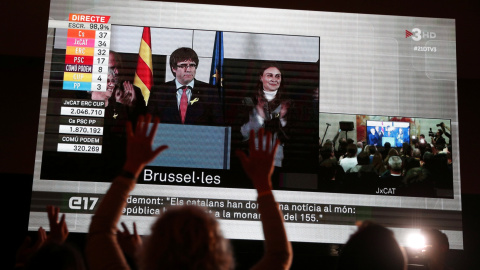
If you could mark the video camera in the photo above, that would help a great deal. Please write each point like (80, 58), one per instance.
(430, 133)
(439, 125)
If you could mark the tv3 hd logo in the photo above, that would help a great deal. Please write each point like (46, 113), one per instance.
(417, 34)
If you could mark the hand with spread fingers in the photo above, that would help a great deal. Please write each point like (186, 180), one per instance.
(259, 164)
(129, 242)
(58, 228)
(139, 144)
(27, 249)
(108, 247)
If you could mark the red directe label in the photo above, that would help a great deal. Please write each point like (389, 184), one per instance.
(88, 18)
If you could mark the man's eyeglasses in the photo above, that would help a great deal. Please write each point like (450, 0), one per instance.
(185, 66)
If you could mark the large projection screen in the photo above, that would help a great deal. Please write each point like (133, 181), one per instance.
(340, 67)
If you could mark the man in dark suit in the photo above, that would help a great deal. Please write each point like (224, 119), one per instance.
(186, 100)
(373, 137)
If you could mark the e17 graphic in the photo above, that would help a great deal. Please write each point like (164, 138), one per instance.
(417, 34)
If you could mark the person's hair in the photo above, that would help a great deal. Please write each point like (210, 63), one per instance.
(428, 147)
(328, 168)
(360, 145)
(363, 158)
(182, 54)
(328, 141)
(417, 153)
(186, 237)
(440, 132)
(387, 145)
(438, 166)
(262, 69)
(392, 152)
(414, 141)
(118, 65)
(351, 150)
(366, 148)
(372, 247)
(56, 256)
(427, 157)
(326, 151)
(407, 149)
(372, 149)
(435, 237)
(377, 162)
(395, 163)
(117, 58)
(281, 97)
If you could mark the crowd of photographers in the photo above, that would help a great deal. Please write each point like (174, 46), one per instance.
(419, 168)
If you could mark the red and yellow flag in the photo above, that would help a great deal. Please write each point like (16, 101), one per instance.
(144, 73)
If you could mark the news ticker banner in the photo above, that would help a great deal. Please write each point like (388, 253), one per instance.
(87, 53)
(247, 210)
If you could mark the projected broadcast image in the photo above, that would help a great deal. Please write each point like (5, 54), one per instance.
(336, 101)
(361, 162)
(87, 128)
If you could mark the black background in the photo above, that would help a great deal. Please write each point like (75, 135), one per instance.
(24, 30)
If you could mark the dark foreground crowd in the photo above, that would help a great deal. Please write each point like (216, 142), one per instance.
(189, 237)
